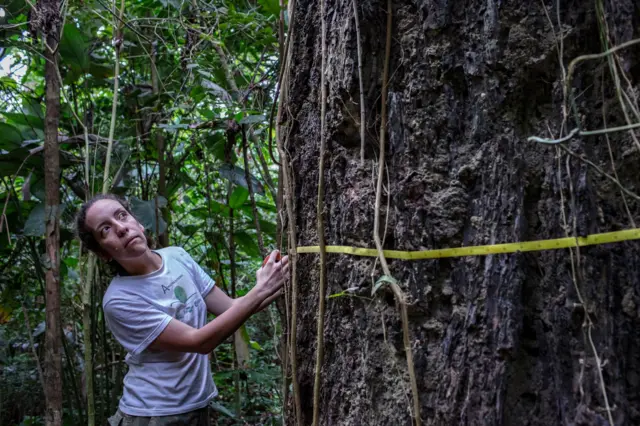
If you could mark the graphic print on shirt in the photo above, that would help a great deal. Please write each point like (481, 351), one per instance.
(186, 308)
(186, 304)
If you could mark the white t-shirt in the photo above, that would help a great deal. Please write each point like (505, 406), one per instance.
(137, 309)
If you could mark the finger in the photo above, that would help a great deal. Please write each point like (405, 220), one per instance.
(285, 270)
(285, 260)
(273, 256)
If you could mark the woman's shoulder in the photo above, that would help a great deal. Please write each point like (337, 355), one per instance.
(175, 253)
(172, 251)
(119, 289)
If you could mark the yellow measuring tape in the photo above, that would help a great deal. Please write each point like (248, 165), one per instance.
(559, 243)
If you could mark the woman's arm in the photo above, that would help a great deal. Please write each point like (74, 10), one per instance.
(218, 301)
(180, 337)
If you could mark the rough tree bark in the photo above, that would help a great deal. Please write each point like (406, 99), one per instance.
(47, 21)
(497, 339)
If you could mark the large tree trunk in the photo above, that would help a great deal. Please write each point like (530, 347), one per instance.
(48, 14)
(497, 339)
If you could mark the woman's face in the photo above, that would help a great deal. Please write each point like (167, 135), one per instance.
(119, 234)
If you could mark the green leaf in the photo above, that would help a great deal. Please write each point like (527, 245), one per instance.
(10, 163)
(242, 347)
(251, 119)
(15, 8)
(214, 207)
(147, 215)
(189, 230)
(180, 294)
(348, 292)
(207, 113)
(101, 71)
(32, 106)
(238, 197)
(236, 175)
(255, 345)
(247, 243)
(30, 121)
(266, 206)
(270, 7)
(267, 227)
(36, 222)
(37, 188)
(173, 127)
(7, 83)
(218, 144)
(216, 90)
(71, 261)
(180, 180)
(173, 3)
(216, 406)
(74, 49)
(385, 279)
(39, 329)
(11, 137)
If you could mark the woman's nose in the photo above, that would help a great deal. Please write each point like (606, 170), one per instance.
(121, 229)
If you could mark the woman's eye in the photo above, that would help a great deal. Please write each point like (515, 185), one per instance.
(105, 230)
(122, 215)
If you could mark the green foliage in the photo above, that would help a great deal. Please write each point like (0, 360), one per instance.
(11, 137)
(147, 213)
(195, 110)
(253, 119)
(247, 243)
(236, 175)
(74, 50)
(36, 222)
(381, 282)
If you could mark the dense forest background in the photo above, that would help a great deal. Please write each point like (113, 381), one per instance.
(164, 103)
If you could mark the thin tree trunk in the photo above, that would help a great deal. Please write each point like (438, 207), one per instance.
(88, 342)
(52, 359)
(236, 335)
(160, 147)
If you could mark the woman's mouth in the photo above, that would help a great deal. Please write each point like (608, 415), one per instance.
(130, 241)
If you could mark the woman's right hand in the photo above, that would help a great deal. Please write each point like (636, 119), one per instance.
(271, 276)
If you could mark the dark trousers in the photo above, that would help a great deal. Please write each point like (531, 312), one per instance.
(199, 417)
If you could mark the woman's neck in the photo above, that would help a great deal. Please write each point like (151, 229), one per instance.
(145, 264)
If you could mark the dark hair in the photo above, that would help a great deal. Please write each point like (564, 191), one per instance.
(86, 235)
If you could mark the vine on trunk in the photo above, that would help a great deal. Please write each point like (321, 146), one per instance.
(291, 219)
(397, 291)
(320, 218)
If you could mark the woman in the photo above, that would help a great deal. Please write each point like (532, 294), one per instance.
(156, 307)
